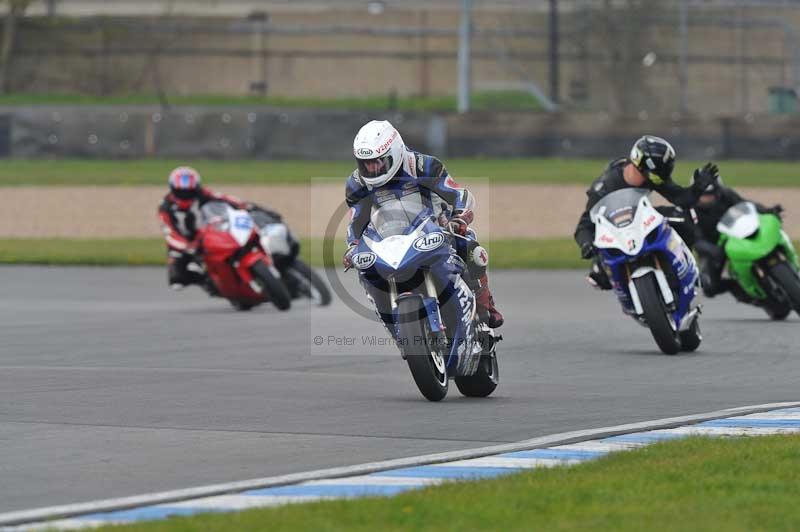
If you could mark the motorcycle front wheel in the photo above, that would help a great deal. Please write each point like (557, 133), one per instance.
(425, 358)
(272, 285)
(785, 277)
(655, 314)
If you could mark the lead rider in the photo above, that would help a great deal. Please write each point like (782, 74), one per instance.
(388, 169)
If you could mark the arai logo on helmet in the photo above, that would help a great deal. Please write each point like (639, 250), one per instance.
(429, 242)
(364, 152)
(364, 260)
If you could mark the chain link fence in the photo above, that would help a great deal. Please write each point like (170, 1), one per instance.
(624, 57)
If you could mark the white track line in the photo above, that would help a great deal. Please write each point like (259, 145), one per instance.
(563, 439)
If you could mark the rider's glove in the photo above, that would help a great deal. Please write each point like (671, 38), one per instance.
(703, 177)
(459, 222)
(192, 247)
(347, 259)
(587, 250)
(776, 210)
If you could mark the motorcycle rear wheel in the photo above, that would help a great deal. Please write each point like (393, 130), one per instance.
(273, 287)
(656, 315)
(692, 337)
(311, 285)
(484, 381)
(426, 362)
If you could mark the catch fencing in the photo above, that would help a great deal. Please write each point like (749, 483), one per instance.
(628, 57)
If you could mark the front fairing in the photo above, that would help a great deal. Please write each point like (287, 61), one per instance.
(758, 245)
(673, 256)
(743, 252)
(400, 256)
(425, 248)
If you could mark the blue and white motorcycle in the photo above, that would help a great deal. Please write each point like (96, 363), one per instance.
(652, 270)
(408, 264)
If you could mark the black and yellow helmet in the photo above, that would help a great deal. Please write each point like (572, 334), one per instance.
(654, 157)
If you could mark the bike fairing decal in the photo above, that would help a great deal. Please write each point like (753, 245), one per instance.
(364, 260)
(429, 241)
(460, 358)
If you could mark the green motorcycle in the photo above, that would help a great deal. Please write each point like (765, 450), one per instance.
(761, 258)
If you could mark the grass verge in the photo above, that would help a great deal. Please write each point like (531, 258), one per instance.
(546, 254)
(541, 170)
(692, 484)
(481, 100)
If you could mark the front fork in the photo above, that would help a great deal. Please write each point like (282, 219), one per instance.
(244, 265)
(430, 302)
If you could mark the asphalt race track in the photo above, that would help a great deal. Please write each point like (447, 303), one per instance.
(112, 385)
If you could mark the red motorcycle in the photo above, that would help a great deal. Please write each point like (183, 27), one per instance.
(241, 270)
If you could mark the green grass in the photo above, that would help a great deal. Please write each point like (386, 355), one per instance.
(219, 173)
(481, 100)
(96, 252)
(535, 254)
(549, 254)
(738, 484)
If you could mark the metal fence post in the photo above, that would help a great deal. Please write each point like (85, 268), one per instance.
(464, 33)
(683, 47)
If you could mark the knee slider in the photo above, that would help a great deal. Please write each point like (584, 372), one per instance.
(478, 260)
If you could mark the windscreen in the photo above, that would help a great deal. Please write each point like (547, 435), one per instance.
(262, 218)
(396, 215)
(739, 210)
(216, 213)
(619, 207)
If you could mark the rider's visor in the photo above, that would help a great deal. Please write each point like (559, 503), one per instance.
(374, 167)
(185, 193)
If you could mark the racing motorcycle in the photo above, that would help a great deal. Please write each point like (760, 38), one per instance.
(301, 281)
(761, 258)
(652, 270)
(408, 257)
(237, 266)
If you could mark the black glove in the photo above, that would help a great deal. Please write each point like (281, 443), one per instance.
(705, 176)
(587, 250)
(776, 210)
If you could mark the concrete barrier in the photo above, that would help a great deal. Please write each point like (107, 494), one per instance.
(274, 133)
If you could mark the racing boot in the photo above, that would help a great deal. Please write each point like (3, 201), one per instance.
(485, 302)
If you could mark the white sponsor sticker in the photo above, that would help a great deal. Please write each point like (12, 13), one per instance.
(364, 260)
(429, 242)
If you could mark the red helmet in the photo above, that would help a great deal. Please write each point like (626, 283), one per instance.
(184, 183)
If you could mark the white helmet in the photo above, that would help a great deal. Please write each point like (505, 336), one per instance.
(378, 141)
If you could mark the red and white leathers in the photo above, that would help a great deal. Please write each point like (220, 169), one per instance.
(179, 224)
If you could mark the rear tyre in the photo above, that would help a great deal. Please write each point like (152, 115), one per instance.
(785, 276)
(273, 287)
(485, 379)
(692, 337)
(425, 358)
(309, 283)
(656, 315)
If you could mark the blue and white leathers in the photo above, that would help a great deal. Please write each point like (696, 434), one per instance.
(404, 253)
(418, 173)
(634, 240)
